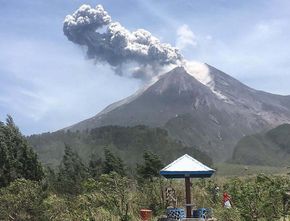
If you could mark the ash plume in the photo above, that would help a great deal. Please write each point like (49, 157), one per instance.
(108, 41)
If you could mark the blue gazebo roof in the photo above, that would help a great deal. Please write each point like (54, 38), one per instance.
(186, 166)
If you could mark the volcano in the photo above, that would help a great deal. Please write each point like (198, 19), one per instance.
(211, 112)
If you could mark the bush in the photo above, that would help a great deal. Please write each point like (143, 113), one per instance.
(224, 214)
(83, 207)
(21, 200)
(260, 197)
(116, 195)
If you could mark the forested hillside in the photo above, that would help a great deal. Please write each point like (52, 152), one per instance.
(127, 142)
(271, 148)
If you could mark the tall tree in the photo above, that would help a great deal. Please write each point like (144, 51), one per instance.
(72, 171)
(151, 166)
(17, 159)
(113, 163)
(95, 166)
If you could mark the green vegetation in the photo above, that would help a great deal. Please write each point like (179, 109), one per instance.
(151, 167)
(17, 159)
(271, 148)
(113, 197)
(113, 163)
(72, 172)
(129, 143)
(21, 200)
(103, 188)
(74, 190)
(238, 170)
(260, 198)
(280, 136)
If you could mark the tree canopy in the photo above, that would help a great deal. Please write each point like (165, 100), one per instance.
(113, 163)
(151, 166)
(17, 159)
(72, 171)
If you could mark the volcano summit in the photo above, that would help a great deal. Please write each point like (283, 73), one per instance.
(209, 110)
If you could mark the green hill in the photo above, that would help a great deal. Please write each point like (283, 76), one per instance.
(271, 148)
(128, 142)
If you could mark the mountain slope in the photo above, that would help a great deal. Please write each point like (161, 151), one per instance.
(128, 142)
(268, 148)
(210, 115)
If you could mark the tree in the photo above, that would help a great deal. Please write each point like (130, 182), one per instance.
(152, 192)
(113, 163)
(72, 172)
(151, 167)
(95, 166)
(17, 159)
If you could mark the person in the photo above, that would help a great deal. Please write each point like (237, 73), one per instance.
(227, 200)
(215, 193)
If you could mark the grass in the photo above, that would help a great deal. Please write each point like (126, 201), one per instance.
(228, 170)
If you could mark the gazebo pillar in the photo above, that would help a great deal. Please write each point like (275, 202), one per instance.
(186, 167)
(188, 197)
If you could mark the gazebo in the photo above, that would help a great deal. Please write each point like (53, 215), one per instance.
(186, 167)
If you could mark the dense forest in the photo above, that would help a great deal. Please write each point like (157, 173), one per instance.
(103, 188)
(127, 142)
(271, 148)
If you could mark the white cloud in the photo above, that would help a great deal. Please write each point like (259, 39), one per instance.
(185, 37)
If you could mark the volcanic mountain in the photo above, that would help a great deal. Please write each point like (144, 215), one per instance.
(210, 111)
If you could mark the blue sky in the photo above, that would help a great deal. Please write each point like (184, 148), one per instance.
(47, 84)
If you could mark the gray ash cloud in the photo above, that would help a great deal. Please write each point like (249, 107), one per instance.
(108, 41)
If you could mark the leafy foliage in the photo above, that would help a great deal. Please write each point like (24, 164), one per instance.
(113, 163)
(150, 183)
(72, 172)
(102, 191)
(151, 195)
(95, 166)
(21, 200)
(116, 194)
(225, 214)
(114, 197)
(151, 167)
(123, 141)
(261, 197)
(271, 148)
(17, 159)
(81, 207)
